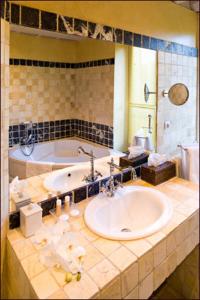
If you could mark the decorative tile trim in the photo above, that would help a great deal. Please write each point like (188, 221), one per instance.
(47, 131)
(17, 14)
(53, 64)
(79, 194)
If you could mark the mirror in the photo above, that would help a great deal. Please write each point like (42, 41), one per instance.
(178, 94)
(62, 92)
(59, 89)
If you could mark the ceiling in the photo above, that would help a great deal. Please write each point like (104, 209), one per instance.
(192, 5)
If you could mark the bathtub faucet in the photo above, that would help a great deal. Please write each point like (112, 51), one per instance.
(93, 176)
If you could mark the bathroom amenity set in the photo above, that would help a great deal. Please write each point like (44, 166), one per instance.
(59, 245)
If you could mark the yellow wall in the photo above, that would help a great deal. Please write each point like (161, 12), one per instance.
(88, 49)
(51, 49)
(142, 69)
(161, 19)
(120, 107)
(41, 48)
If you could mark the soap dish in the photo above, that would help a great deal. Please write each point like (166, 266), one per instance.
(63, 216)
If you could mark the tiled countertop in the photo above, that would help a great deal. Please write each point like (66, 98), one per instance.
(112, 269)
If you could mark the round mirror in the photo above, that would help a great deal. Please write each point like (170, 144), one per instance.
(178, 94)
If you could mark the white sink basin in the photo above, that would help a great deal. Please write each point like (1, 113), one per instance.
(132, 213)
(70, 178)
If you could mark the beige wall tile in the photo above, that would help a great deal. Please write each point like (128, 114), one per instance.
(112, 291)
(34, 91)
(32, 265)
(146, 264)
(44, 285)
(89, 235)
(106, 247)
(155, 238)
(15, 235)
(138, 247)
(171, 242)
(23, 248)
(171, 262)
(180, 234)
(103, 272)
(122, 258)
(83, 289)
(160, 274)
(173, 68)
(134, 294)
(129, 279)
(93, 256)
(160, 252)
(146, 287)
(59, 275)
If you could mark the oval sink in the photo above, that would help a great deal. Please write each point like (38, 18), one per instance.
(70, 178)
(133, 212)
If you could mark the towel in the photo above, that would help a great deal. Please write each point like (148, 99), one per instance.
(193, 155)
(156, 159)
(135, 151)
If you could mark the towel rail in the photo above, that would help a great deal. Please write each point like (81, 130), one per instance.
(180, 146)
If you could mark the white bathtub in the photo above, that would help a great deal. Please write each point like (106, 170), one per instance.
(54, 155)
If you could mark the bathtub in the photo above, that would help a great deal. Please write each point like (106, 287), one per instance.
(54, 155)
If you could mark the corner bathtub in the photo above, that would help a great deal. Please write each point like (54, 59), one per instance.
(54, 155)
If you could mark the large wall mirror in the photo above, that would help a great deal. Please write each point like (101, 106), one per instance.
(64, 89)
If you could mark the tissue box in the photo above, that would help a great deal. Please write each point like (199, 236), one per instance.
(30, 219)
(157, 175)
(133, 162)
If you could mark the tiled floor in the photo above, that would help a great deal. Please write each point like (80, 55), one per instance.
(184, 282)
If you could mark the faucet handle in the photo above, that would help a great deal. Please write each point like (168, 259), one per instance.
(98, 173)
(102, 189)
(118, 184)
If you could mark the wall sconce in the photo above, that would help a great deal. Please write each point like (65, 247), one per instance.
(147, 93)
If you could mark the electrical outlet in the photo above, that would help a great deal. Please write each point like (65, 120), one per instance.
(167, 124)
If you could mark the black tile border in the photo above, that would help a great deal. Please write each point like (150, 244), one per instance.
(79, 194)
(62, 65)
(53, 130)
(55, 22)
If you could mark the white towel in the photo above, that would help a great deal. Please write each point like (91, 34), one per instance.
(156, 159)
(135, 151)
(193, 155)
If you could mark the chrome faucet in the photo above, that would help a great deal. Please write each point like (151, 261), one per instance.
(112, 184)
(93, 176)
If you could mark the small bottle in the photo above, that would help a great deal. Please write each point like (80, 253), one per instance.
(58, 207)
(67, 204)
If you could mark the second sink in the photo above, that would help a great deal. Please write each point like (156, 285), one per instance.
(133, 212)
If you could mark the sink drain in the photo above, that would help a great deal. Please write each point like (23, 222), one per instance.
(125, 230)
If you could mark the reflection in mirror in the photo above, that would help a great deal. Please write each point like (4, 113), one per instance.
(61, 96)
(178, 94)
(70, 93)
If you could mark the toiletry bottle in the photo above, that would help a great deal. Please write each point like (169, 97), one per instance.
(58, 207)
(67, 204)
